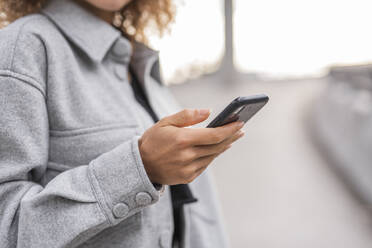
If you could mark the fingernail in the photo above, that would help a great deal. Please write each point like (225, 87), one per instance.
(241, 133)
(203, 112)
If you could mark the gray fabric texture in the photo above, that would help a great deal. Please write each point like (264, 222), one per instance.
(71, 174)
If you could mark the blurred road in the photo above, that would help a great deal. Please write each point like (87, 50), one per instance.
(275, 189)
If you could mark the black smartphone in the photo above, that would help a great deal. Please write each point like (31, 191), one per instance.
(240, 109)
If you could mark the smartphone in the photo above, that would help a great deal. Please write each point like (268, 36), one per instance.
(240, 109)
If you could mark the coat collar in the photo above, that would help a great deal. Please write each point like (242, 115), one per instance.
(88, 32)
(91, 34)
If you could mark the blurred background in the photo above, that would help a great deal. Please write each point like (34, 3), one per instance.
(303, 171)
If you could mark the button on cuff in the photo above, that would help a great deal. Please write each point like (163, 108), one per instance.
(120, 210)
(107, 173)
(143, 198)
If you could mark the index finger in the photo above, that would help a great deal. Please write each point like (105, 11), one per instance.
(210, 136)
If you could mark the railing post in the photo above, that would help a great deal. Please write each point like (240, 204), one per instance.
(227, 66)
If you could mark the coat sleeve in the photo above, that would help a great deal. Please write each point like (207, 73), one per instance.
(78, 203)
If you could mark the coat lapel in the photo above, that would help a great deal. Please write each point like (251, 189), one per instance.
(145, 64)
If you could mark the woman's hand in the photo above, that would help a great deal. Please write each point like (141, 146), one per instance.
(173, 154)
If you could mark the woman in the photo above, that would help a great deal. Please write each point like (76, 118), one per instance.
(82, 163)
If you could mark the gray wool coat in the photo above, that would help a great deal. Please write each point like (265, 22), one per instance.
(70, 170)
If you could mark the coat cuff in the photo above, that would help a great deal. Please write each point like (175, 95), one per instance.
(120, 182)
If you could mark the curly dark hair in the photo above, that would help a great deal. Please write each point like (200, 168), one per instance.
(132, 20)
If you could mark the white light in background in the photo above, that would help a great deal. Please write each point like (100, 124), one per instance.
(196, 43)
(301, 37)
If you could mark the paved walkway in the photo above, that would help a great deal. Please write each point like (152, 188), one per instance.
(276, 190)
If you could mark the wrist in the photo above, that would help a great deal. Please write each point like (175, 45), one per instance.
(145, 165)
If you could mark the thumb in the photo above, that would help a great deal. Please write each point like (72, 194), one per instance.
(186, 117)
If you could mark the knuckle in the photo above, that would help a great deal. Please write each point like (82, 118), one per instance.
(208, 161)
(213, 138)
(183, 159)
(188, 180)
(178, 160)
(197, 171)
(221, 148)
(216, 137)
(194, 169)
(204, 164)
(162, 121)
(185, 175)
(181, 140)
(188, 113)
(189, 155)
